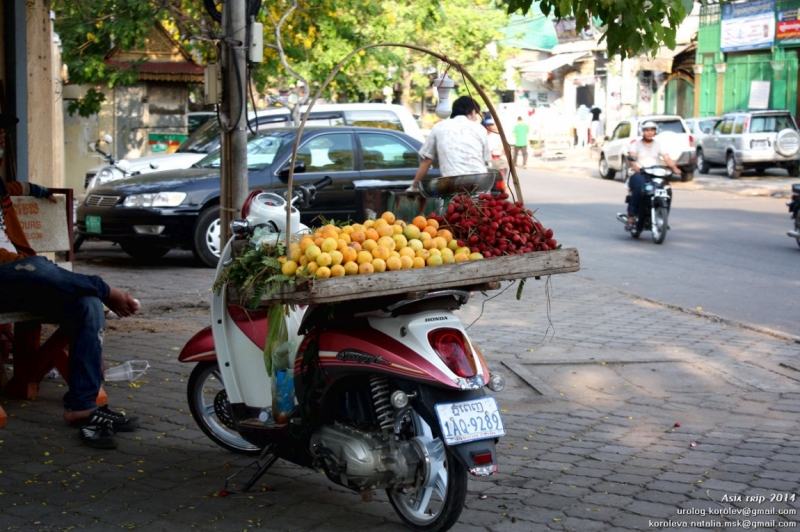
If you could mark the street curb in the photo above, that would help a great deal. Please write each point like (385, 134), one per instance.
(718, 319)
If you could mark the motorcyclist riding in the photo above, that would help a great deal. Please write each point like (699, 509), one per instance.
(644, 153)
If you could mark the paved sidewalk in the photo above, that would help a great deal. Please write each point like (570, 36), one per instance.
(584, 162)
(598, 382)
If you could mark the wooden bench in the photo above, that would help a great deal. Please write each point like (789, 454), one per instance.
(48, 227)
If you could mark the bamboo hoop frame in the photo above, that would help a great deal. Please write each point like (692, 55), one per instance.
(444, 59)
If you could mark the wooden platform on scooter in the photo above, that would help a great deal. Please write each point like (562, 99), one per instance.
(447, 276)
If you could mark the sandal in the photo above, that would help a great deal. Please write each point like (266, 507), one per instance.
(100, 436)
(119, 422)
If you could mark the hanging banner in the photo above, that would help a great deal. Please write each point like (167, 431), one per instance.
(788, 29)
(747, 25)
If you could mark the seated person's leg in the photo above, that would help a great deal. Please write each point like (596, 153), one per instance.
(636, 182)
(85, 321)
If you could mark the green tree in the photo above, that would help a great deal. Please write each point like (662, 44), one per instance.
(629, 27)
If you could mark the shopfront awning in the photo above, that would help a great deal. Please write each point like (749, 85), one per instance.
(552, 63)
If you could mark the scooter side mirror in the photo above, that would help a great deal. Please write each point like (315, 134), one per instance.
(92, 146)
(108, 139)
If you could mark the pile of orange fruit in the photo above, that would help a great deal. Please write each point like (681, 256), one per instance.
(385, 244)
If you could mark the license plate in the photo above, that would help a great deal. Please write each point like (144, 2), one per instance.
(92, 224)
(661, 193)
(476, 419)
(760, 144)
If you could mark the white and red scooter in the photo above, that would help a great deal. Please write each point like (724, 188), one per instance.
(390, 391)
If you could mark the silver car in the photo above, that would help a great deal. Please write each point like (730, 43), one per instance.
(751, 139)
(702, 126)
(673, 135)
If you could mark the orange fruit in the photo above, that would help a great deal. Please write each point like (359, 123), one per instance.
(408, 252)
(346, 237)
(368, 224)
(364, 256)
(433, 260)
(347, 229)
(305, 242)
(324, 259)
(337, 271)
(289, 267)
(296, 254)
(421, 222)
(475, 256)
(398, 229)
(358, 236)
(418, 262)
(393, 263)
(379, 265)
(365, 268)
(461, 257)
(349, 255)
(323, 272)
(342, 244)
(453, 244)
(336, 257)
(329, 244)
(430, 230)
(303, 260)
(415, 244)
(423, 254)
(447, 256)
(406, 262)
(355, 245)
(440, 242)
(433, 223)
(311, 268)
(312, 252)
(385, 230)
(380, 252)
(445, 233)
(369, 245)
(372, 234)
(411, 231)
(388, 216)
(399, 241)
(429, 244)
(350, 268)
(318, 241)
(387, 242)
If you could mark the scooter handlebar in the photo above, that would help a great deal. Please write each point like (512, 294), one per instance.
(322, 183)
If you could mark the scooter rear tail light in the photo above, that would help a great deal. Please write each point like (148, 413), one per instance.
(481, 458)
(451, 347)
(248, 201)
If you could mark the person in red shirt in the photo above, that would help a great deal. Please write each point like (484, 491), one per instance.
(74, 301)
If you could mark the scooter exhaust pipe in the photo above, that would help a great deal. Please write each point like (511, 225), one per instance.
(794, 234)
(622, 217)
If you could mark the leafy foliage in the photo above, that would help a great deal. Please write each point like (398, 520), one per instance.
(256, 273)
(629, 27)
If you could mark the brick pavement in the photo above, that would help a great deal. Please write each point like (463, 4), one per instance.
(594, 447)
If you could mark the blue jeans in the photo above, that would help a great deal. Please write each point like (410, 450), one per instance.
(72, 300)
(637, 182)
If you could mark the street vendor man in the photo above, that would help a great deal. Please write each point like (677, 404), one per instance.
(459, 144)
(74, 301)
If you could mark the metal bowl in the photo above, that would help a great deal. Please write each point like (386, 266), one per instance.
(448, 186)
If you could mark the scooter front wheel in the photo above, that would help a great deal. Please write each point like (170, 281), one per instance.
(208, 403)
(435, 504)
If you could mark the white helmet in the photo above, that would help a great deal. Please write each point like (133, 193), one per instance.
(649, 124)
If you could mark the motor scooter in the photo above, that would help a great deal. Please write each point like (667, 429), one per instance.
(654, 205)
(390, 391)
(794, 211)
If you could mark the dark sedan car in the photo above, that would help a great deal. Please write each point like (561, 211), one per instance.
(150, 214)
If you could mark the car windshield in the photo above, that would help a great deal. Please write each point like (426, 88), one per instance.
(674, 126)
(261, 150)
(707, 125)
(771, 124)
(204, 140)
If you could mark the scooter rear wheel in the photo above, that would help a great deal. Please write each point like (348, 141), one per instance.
(205, 388)
(437, 504)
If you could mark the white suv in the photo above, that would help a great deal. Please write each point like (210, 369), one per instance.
(207, 138)
(673, 135)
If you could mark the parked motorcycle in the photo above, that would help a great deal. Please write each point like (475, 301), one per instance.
(116, 169)
(390, 391)
(654, 205)
(794, 210)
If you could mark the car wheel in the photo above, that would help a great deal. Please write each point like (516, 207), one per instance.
(687, 175)
(623, 170)
(207, 245)
(702, 165)
(143, 251)
(733, 170)
(794, 170)
(606, 172)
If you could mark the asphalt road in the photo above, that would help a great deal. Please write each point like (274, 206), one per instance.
(725, 254)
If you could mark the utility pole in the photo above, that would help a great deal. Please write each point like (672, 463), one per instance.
(234, 182)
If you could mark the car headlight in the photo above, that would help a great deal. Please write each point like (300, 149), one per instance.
(158, 199)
